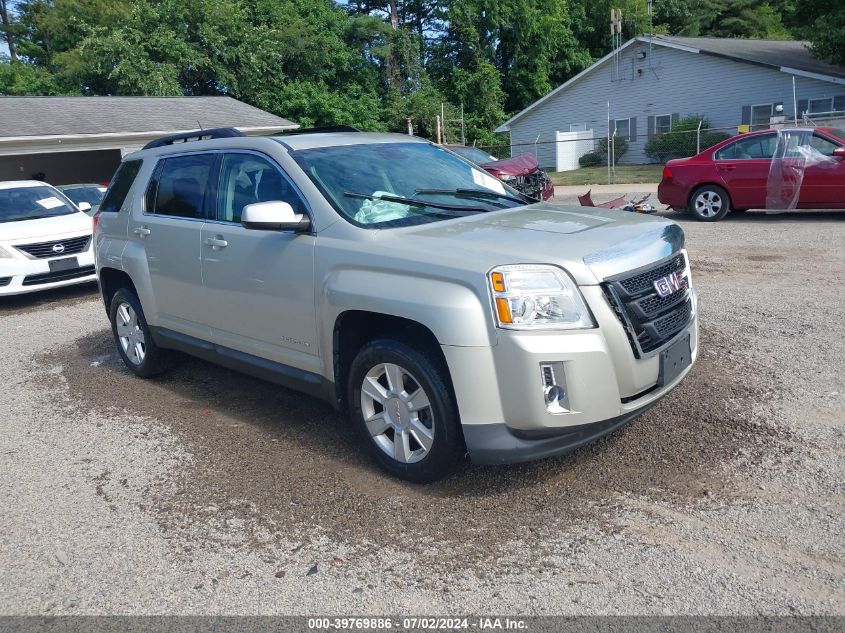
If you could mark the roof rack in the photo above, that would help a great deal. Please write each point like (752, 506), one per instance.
(322, 130)
(196, 135)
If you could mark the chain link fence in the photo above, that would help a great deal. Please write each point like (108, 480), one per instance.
(623, 145)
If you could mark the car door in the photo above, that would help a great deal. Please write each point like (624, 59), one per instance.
(259, 285)
(177, 201)
(744, 167)
(823, 186)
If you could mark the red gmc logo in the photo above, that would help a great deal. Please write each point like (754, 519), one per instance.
(670, 284)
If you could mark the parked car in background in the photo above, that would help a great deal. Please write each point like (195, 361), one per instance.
(439, 307)
(520, 172)
(45, 240)
(734, 174)
(85, 193)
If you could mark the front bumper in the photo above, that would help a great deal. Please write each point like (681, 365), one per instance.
(21, 275)
(499, 444)
(499, 389)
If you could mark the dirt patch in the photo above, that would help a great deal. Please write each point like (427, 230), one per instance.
(279, 463)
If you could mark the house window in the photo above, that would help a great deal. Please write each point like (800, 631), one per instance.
(761, 116)
(622, 127)
(662, 124)
(820, 106)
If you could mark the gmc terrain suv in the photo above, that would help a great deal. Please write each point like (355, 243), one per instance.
(443, 310)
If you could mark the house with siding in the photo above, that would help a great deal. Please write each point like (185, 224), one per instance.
(650, 82)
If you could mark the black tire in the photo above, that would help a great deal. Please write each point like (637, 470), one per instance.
(709, 203)
(423, 370)
(155, 360)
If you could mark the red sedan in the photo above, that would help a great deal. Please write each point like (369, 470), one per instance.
(733, 175)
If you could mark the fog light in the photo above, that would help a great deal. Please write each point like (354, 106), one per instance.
(553, 380)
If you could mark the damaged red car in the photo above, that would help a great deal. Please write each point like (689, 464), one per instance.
(520, 172)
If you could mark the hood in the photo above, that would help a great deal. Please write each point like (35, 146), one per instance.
(591, 243)
(45, 229)
(516, 166)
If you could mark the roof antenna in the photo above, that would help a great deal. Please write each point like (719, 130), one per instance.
(200, 124)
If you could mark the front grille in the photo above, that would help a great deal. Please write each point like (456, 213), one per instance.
(643, 281)
(56, 248)
(5, 281)
(650, 320)
(59, 275)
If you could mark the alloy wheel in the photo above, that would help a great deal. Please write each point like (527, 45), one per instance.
(130, 334)
(397, 413)
(708, 204)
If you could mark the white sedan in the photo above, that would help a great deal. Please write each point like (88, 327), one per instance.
(45, 240)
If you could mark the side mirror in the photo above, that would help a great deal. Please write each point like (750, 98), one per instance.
(274, 215)
(839, 152)
(85, 207)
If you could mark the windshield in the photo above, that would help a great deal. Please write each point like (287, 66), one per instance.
(477, 156)
(390, 184)
(92, 194)
(31, 203)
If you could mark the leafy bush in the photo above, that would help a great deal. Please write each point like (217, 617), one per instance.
(681, 141)
(599, 155)
(591, 159)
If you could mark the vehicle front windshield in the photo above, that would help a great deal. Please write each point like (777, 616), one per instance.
(380, 185)
(92, 195)
(32, 203)
(477, 156)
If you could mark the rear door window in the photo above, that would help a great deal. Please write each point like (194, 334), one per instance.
(759, 146)
(119, 186)
(182, 186)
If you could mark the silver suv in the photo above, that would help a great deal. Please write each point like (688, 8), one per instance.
(445, 312)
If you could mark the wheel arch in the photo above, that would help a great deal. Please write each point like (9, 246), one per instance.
(111, 280)
(355, 328)
(721, 186)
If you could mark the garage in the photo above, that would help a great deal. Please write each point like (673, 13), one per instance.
(66, 140)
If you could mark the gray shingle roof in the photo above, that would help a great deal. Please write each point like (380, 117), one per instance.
(774, 53)
(48, 116)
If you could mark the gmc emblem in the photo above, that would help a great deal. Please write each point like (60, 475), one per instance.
(670, 284)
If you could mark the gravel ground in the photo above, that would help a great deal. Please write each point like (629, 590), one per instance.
(207, 492)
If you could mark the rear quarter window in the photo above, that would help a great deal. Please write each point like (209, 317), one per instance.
(119, 186)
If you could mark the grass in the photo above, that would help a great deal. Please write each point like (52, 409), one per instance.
(625, 174)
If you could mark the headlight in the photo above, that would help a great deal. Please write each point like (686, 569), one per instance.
(4, 253)
(536, 296)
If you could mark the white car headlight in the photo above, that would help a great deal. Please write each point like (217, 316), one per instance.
(4, 253)
(537, 296)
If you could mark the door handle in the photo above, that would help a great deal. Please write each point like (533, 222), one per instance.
(216, 242)
(727, 167)
(142, 231)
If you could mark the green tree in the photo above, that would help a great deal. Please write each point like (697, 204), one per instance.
(20, 79)
(822, 23)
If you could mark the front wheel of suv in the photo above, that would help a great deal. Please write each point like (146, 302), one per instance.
(402, 405)
(132, 336)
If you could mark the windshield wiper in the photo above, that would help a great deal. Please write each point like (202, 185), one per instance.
(474, 193)
(411, 202)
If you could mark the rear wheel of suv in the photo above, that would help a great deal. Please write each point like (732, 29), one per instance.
(132, 335)
(401, 403)
(709, 203)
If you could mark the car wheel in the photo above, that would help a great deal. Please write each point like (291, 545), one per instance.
(402, 405)
(709, 203)
(132, 336)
